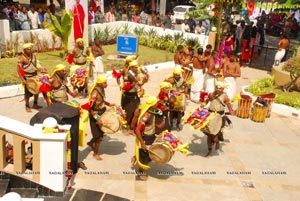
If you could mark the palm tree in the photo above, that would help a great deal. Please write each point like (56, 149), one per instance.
(61, 29)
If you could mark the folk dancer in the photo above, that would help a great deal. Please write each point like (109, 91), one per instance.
(179, 91)
(130, 91)
(164, 105)
(219, 100)
(60, 90)
(82, 69)
(98, 105)
(145, 134)
(27, 68)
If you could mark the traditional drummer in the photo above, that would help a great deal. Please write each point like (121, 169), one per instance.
(97, 108)
(81, 55)
(27, 68)
(179, 90)
(219, 101)
(130, 98)
(164, 103)
(145, 134)
(58, 80)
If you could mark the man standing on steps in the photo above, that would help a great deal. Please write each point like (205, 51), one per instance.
(283, 47)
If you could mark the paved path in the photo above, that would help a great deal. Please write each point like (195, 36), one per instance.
(258, 161)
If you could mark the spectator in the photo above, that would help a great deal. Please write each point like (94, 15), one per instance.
(47, 18)
(184, 26)
(192, 24)
(157, 20)
(206, 25)
(34, 18)
(110, 16)
(24, 20)
(119, 15)
(52, 7)
(199, 28)
(41, 16)
(238, 36)
(99, 17)
(167, 22)
(91, 15)
(129, 7)
(136, 17)
(13, 24)
(144, 17)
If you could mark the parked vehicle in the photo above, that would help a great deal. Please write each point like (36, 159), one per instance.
(181, 11)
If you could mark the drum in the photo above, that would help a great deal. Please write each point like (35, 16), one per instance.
(33, 84)
(259, 112)
(179, 100)
(214, 124)
(269, 98)
(244, 106)
(159, 151)
(110, 122)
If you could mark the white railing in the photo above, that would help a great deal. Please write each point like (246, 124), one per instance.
(48, 153)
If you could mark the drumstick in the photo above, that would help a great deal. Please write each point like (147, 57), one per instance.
(152, 152)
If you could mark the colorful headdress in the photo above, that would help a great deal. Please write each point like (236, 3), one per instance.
(79, 40)
(133, 63)
(27, 45)
(151, 101)
(165, 84)
(58, 67)
(220, 84)
(177, 71)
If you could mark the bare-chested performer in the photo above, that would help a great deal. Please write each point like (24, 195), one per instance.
(199, 61)
(178, 57)
(98, 51)
(212, 73)
(231, 72)
(283, 46)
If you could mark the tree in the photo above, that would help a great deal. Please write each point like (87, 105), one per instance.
(61, 29)
(293, 67)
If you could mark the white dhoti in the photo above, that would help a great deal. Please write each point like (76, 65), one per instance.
(99, 67)
(230, 90)
(209, 83)
(197, 86)
(279, 56)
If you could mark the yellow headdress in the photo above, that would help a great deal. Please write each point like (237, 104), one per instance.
(133, 63)
(58, 67)
(165, 84)
(177, 71)
(100, 79)
(27, 45)
(130, 58)
(79, 40)
(151, 101)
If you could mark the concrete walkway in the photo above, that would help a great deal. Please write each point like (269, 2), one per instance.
(257, 161)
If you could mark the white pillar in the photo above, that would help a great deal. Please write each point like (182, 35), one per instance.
(162, 7)
(4, 33)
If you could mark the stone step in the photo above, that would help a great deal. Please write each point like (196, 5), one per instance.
(3, 186)
(26, 192)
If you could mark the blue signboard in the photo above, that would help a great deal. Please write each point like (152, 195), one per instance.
(127, 45)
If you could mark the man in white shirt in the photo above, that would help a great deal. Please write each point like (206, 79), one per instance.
(184, 26)
(34, 18)
(110, 16)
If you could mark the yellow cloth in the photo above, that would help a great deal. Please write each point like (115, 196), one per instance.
(27, 45)
(164, 85)
(151, 101)
(80, 40)
(58, 67)
(177, 71)
(130, 58)
(84, 118)
(133, 63)
(137, 155)
(100, 79)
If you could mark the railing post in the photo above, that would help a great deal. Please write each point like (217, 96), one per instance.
(3, 161)
(36, 160)
(19, 154)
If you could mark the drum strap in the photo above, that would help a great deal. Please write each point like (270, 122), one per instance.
(222, 103)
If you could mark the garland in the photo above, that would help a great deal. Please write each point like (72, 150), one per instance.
(199, 118)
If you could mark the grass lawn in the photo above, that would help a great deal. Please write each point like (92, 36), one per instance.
(8, 66)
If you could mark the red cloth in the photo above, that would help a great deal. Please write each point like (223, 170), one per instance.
(70, 59)
(87, 106)
(250, 7)
(21, 71)
(127, 86)
(78, 21)
(115, 74)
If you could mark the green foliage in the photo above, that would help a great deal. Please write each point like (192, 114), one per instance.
(293, 67)
(261, 86)
(266, 86)
(61, 29)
